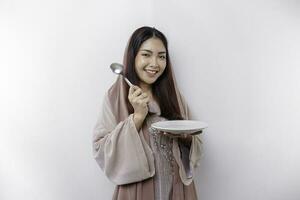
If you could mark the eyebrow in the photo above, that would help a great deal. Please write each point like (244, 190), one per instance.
(161, 52)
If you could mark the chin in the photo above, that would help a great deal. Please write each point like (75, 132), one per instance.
(150, 82)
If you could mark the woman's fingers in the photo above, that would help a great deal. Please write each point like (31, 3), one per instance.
(138, 99)
(132, 89)
(143, 97)
(175, 135)
(135, 91)
(141, 100)
(169, 134)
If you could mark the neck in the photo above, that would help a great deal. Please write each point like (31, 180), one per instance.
(146, 87)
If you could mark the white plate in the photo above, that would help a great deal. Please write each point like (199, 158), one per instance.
(180, 126)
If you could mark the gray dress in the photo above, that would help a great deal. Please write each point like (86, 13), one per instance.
(161, 146)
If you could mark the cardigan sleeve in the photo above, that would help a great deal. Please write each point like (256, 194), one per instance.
(120, 150)
(187, 157)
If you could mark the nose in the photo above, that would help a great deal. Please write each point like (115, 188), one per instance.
(154, 62)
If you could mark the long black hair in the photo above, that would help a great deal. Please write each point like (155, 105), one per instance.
(163, 88)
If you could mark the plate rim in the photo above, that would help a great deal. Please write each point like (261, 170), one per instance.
(192, 130)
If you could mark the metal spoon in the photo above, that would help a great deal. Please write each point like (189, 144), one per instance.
(118, 69)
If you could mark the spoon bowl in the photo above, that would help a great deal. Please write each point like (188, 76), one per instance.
(118, 69)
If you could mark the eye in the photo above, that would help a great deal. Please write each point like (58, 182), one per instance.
(145, 54)
(162, 57)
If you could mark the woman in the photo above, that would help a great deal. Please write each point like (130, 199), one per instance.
(144, 163)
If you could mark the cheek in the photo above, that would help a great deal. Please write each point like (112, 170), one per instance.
(139, 68)
(163, 63)
(137, 64)
(164, 66)
(140, 62)
(162, 69)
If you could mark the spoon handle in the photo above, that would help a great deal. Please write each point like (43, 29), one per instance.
(127, 81)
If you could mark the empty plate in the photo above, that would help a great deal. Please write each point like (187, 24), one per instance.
(180, 126)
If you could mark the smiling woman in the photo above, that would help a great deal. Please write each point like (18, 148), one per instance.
(144, 164)
(150, 61)
(148, 50)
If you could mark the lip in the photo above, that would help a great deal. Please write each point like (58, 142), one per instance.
(151, 72)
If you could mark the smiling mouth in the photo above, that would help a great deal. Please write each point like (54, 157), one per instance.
(151, 71)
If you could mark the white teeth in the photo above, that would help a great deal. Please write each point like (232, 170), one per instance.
(151, 71)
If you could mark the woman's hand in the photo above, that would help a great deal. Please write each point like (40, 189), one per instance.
(182, 135)
(183, 138)
(179, 136)
(139, 101)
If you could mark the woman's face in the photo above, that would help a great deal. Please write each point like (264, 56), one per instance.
(151, 60)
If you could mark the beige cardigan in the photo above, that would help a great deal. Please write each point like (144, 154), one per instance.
(123, 153)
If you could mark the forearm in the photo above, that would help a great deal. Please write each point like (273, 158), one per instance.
(138, 121)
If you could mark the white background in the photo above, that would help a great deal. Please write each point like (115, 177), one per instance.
(236, 62)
